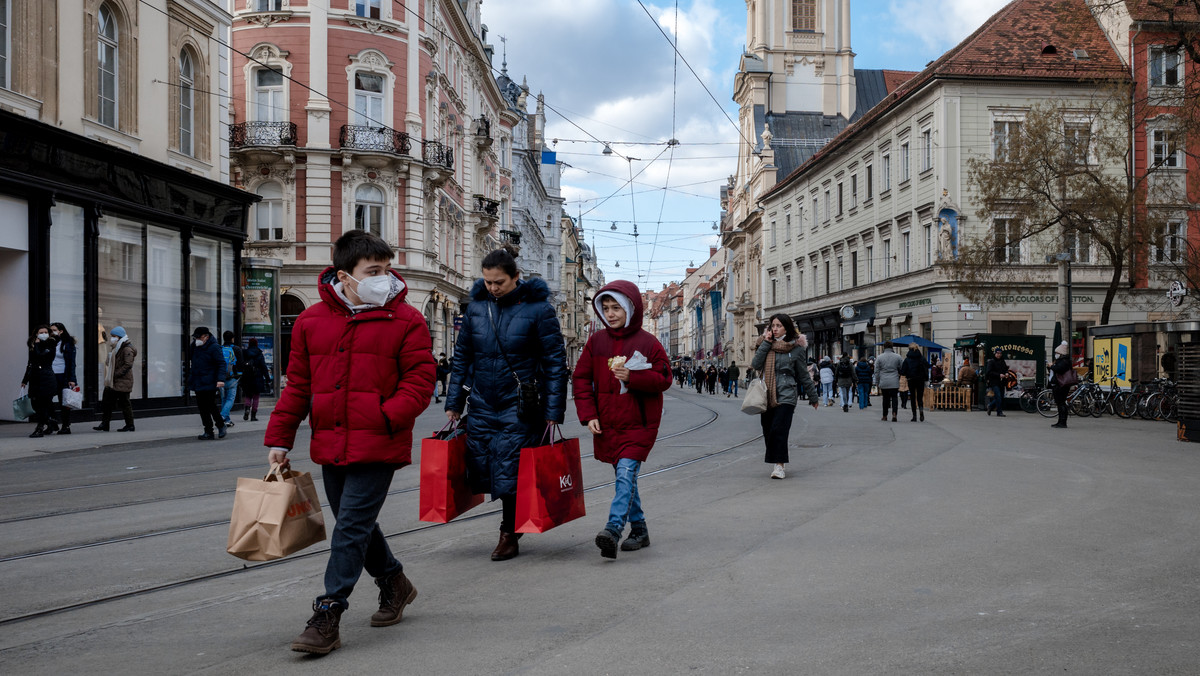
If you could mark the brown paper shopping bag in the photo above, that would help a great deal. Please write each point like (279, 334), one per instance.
(275, 516)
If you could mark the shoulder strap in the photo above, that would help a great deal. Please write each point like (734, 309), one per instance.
(503, 350)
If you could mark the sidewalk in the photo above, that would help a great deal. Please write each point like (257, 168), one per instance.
(15, 442)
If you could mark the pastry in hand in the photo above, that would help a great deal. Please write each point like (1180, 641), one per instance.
(616, 362)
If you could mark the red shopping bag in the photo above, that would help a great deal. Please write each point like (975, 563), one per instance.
(445, 491)
(549, 485)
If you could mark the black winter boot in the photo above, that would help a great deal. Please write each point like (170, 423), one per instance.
(639, 538)
(321, 636)
(607, 541)
(38, 432)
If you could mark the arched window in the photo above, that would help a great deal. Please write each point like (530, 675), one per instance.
(268, 213)
(368, 209)
(187, 101)
(108, 53)
(368, 100)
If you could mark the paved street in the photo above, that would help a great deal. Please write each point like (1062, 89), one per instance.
(968, 544)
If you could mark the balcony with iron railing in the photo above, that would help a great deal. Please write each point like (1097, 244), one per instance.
(437, 154)
(488, 207)
(374, 146)
(262, 134)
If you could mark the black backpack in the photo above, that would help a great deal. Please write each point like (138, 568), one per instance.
(843, 370)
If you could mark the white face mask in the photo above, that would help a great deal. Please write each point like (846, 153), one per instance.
(43, 336)
(374, 290)
(115, 340)
(199, 342)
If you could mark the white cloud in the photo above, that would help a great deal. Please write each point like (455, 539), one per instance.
(956, 19)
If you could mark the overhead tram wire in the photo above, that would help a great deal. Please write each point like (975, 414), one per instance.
(672, 143)
(618, 190)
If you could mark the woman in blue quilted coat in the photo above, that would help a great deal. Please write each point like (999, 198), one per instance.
(509, 326)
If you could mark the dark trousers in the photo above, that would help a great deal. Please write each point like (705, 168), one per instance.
(356, 494)
(916, 393)
(904, 399)
(776, 425)
(43, 409)
(112, 399)
(508, 513)
(1060, 401)
(891, 399)
(64, 413)
(209, 403)
(997, 399)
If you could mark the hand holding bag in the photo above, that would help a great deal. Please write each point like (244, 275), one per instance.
(445, 488)
(72, 398)
(755, 401)
(22, 406)
(275, 516)
(549, 484)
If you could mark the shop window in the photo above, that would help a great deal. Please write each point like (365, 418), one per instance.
(204, 266)
(164, 294)
(268, 213)
(230, 295)
(108, 74)
(121, 277)
(368, 209)
(67, 303)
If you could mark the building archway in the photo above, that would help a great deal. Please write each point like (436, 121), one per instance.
(290, 307)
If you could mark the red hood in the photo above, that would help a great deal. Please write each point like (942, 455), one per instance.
(328, 278)
(630, 292)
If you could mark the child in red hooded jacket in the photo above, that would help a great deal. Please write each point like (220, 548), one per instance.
(624, 424)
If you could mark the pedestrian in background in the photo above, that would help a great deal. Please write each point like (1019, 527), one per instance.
(968, 378)
(915, 372)
(844, 373)
(780, 356)
(118, 380)
(887, 379)
(735, 374)
(361, 370)
(862, 375)
(996, 371)
(64, 370)
(253, 379)
(1060, 383)
(711, 379)
(206, 378)
(510, 333)
(235, 361)
(39, 378)
(624, 425)
(443, 372)
(825, 368)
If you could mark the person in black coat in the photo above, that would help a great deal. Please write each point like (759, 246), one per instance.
(509, 329)
(863, 373)
(443, 372)
(916, 371)
(64, 373)
(39, 378)
(254, 378)
(205, 378)
(1060, 383)
(996, 370)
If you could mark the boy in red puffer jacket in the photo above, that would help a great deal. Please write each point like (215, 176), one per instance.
(622, 406)
(362, 366)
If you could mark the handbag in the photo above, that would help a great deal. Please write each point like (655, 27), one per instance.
(755, 401)
(71, 398)
(275, 516)
(549, 484)
(23, 406)
(1067, 378)
(529, 406)
(445, 488)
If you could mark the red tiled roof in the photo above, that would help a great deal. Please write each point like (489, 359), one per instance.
(1164, 10)
(894, 78)
(1011, 45)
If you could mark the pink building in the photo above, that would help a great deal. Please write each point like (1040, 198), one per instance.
(382, 115)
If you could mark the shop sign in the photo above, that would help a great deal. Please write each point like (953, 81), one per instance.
(916, 303)
(1049, 299)
(969, 307)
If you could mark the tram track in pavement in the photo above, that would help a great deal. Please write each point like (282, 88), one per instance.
(715, 415)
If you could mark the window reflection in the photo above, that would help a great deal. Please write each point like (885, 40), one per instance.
(120, 271)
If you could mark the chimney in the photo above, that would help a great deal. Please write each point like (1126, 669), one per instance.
(712, 251)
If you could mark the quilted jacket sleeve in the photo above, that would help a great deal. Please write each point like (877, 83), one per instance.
(418, 371)
(460, 368)
(296, 398)
(553, 363)
(657, 378)
(583, 386)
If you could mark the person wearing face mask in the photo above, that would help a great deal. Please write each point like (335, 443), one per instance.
(361, 370)
(118, 380)
(39, 378)
(206, 378)
(64, 372)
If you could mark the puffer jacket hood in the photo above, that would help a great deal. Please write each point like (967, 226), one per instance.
(532, 290)
(627, 295)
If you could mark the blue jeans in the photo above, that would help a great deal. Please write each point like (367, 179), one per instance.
(827, 392)
(998, 398)
(733, 384)
(845, 392)
(356, 494)
(864, 391)
(626, 503)
(228, 395)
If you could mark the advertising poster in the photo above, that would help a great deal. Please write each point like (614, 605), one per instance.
(1102, 361)
(258, 299)
(1123, 360)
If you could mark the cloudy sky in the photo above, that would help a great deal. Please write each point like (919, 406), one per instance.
(608, 73)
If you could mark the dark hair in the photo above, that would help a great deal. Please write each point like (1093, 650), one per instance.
(228, 336)
(887, 345)
(64, 336)
(37, 330)
(504, 259)
(788, 325)
(356, 245)
(253, 342)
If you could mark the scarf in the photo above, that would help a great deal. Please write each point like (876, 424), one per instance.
(778, 346)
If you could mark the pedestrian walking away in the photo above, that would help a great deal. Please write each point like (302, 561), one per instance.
(1061, 381)
(887, 379)
(844, 374)
(735, 374)
(362, 363)
(39, 378)
(443, 372)
(994, 376)
(118, 380)
(780, 357)
(65, 352)
(254, 380)
(863, 371)
(235, 360)
(623, 424)
(206, 378)
(510, 347)
(825, 369)
(915, 370)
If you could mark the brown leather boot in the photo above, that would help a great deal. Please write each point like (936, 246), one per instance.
(507, 548)
(395, 592)
(321, 636)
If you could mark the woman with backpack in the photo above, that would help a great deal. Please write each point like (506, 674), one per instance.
(844, 373)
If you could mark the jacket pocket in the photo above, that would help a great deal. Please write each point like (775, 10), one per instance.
(387, 423)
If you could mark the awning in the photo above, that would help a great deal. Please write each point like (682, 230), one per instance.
(804, 326)
(854, 327)
(880, 321)
(900, 319)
